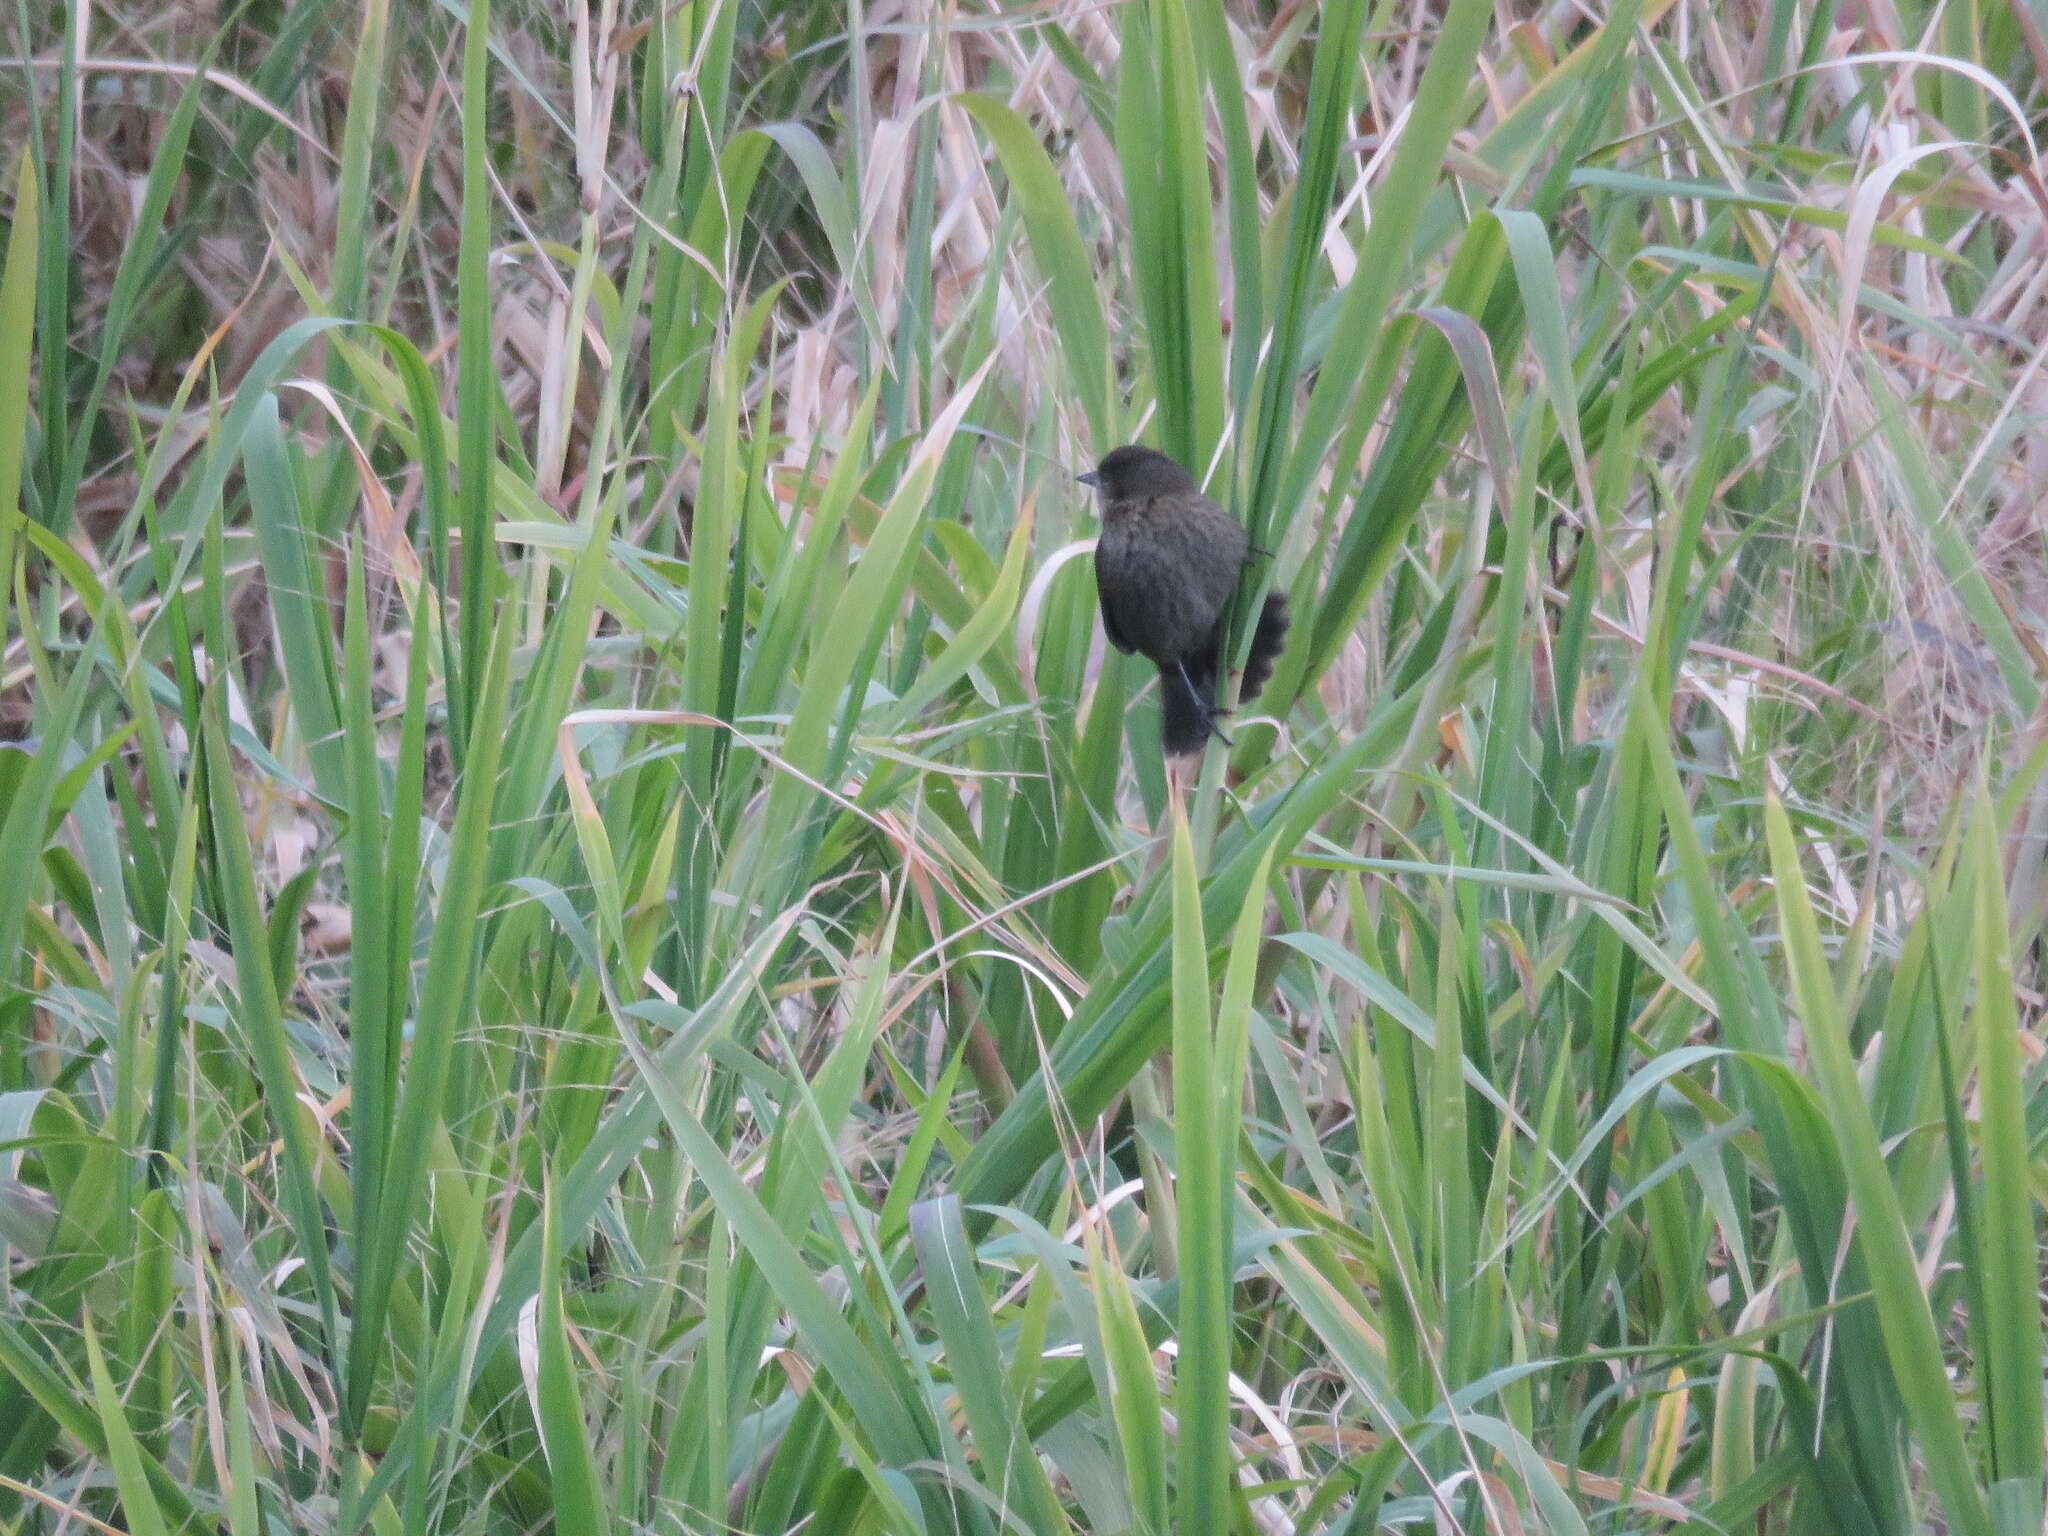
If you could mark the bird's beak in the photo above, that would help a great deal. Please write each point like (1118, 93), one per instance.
(1091, 478)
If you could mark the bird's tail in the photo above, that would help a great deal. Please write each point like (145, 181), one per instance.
(1267, 640)
(1187, 703)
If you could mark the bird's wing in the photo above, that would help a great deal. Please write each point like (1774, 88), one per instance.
(1109, 590)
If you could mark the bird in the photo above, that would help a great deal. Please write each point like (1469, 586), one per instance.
(1166, 565)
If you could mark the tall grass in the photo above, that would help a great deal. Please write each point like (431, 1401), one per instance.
(597, 944)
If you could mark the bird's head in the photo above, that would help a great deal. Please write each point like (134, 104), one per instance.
(1136, 473)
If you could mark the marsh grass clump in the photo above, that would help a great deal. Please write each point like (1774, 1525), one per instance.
(599, 940)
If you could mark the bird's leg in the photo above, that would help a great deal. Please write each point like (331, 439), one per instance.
(1204, 707)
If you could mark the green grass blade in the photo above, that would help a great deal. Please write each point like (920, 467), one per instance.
(17, 339)
(974, 1359)
(1056, 243)
(138, 1498)
(261, 1016)
(476, 408)
(2011, 1371)
(1383, 255)
(1204, 1460)
(579, 1500)
(446, 998)
(298, 598)
(1909, 1333)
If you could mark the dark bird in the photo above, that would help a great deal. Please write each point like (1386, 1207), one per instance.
(1167, 563)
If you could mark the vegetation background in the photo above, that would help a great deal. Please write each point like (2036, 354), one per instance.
(593, 943)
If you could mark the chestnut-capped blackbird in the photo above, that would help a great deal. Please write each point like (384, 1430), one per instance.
(1166, 565)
